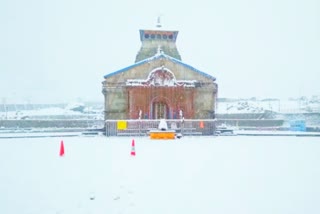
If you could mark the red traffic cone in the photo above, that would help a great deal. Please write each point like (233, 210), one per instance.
(133, 150)
(61, 149)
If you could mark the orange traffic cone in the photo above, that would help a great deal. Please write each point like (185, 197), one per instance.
(61, 149)
(201, 124)
(133, 150)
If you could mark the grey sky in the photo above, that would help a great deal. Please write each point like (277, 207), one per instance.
(59, 51)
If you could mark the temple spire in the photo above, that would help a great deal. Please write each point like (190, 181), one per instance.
(159, 25)
(157, 41)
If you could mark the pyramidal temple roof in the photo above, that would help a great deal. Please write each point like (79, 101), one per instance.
(160, 55)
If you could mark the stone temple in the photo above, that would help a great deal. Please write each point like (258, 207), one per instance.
(159, 85)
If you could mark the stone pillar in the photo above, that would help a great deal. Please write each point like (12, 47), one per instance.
(104, 92)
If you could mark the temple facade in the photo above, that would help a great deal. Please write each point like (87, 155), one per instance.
(159, 85)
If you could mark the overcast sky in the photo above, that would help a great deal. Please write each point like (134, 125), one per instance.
(59, 50)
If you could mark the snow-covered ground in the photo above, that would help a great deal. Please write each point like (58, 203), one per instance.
(260, 106)
(225, 174)
(52, 112)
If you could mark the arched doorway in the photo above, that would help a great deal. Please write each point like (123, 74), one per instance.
(160, 110)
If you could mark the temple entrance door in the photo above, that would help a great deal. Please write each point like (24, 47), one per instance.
(160, 110)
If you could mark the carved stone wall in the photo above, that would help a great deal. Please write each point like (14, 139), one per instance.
(159, 86)
(174, 99)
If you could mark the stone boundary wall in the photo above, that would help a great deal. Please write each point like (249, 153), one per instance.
(26, 124)
(243, 123)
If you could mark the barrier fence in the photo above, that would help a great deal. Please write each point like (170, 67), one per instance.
(142, 127)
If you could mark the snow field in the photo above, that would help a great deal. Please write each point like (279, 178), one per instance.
(226, 174)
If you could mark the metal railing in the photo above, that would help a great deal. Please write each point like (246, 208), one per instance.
(143, 127)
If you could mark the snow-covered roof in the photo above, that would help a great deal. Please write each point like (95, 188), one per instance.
(160, 55)
(161, 76)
